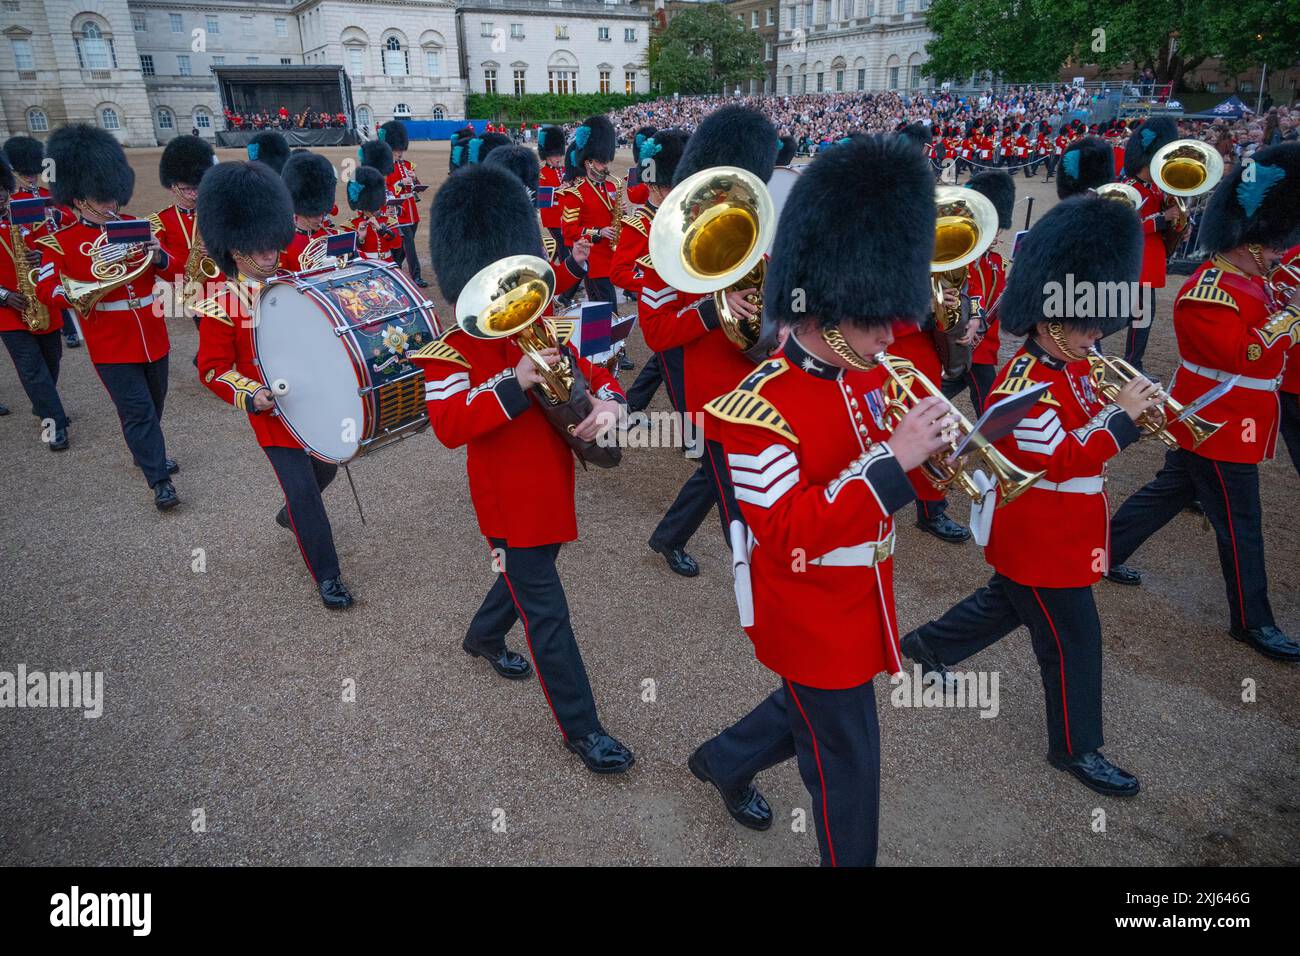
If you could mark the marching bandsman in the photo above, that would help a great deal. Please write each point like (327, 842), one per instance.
(818, 477)
(1289, 391)
(246, 219)
(1142, 146)
(1022, 145)
(550, 150)
(310, 180)
(184, 161)
(269, 147)
(1042, 147)
(1228, 321)
(1007, 146)
(1059, 142)
(985, 281)
(377, 234)
(401, 185)
(29, 328)
(638, 194)
(126, 338)
(1084, 164)
(1047, 547)
(478, 393)
(591, 202)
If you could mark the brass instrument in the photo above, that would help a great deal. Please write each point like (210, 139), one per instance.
(967, 226)
(112, 266)
(199, 269)
(1183, 169)
(35, 316)
(1012, 481)
(313, 255)
(1110, 374)
(1120, 192)
(710, 235)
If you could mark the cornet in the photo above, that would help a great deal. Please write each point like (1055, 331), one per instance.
(1109, 375)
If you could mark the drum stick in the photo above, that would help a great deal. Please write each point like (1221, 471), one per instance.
(355, 497)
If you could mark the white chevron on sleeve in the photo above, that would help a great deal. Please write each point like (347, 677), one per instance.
(447, 387)
(1040, 435)
(763, 478)
(658, 299)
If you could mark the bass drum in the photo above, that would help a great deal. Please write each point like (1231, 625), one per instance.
(333, 346)
(782, 181)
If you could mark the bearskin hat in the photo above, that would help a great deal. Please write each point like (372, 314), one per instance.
(1146, 139)
(594, 139)
(480, 215)
(478, 148)
(1093, 240)
(184, 160)
(310, 178)
(1085, 164)
(641, 135)
(25, 154)
(917, 133)
(244, 207)
(378, 154)
(521, 161)
(997, 186)
(550, 142)
(869, 199)
(367, 191)
(7, 182)
(731, 136)
(89, 164)
(660, 156)
(1263, 210)
(785, 155)
(395, 135)
(269, 147)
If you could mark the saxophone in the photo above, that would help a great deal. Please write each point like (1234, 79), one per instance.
(36, 316)
(199, 270)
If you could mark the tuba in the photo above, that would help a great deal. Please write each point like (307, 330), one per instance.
(112, 266)
(1183, 169)
(967, 226)
(710, 235)
(910, 387)
(36, 316)
(1110, 374)
(1120, 192)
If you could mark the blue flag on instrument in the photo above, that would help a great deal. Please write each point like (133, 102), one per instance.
(126, 231)
(595, 328)
(341, 244)
(545, 197)
(24, 212)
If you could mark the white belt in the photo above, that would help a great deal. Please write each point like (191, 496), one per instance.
(1258, 384)
(1093, 485)
(121, 305)
(865, 555)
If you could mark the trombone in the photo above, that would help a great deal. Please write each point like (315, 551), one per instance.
(967, 225)
(1110, 374)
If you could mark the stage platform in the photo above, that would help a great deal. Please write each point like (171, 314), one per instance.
(296, 137)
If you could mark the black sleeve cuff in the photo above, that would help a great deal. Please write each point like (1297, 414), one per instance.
(579, 269)
(513, 398)
(1122, 428)
(708, 309)
(611, 394)
(889, 482)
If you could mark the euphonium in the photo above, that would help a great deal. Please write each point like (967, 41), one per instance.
(710, 235)
(1012, 481)
(1110, 374)
(1182, 169)
(36, 316)
(113, 266)
(1120, 192)
(966, 227)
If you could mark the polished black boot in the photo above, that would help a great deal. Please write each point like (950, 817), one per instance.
(282, 517)
(164, 496)
(745, 804)
(1097, 773)
(944, 528)
(507, 663)
(678, 560)
(917, 650)
(172, 466)
(602, 753)
(4, 410)
(60, 440)
(1269, 641)
(1123, 574)
(334, 594)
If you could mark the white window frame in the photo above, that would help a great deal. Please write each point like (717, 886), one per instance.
(183, 65)
(165, 119)
(22, 50)
(107, 113)
(177, 22)
(38, 121)
(212, 23)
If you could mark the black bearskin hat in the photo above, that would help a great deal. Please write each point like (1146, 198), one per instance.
(1085, 164)
(643, 134)
(917, 133)
(310, 178)
(480, 147)
(480, 215)
(1263, 210)
(244, 207)
(395, 135)
(660, 156)
(25, 154)
(7, 182)
(868, 200)
(1146, 139)
(521, 161)
(997, 186)
(184, 160)
(1096, 241)
(378, 154)
(271, 148)
(594, 139)
(731, 136)
(367, 191)
(89, 164)
(550, 142)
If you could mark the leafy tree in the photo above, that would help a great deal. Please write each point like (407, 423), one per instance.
(705, 49)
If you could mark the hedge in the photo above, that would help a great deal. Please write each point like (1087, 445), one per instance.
(547, 107)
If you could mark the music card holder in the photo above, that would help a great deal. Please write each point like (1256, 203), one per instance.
(341, 244)
(1000, 418)
(545, 197)
(126, 231)
(24, 212)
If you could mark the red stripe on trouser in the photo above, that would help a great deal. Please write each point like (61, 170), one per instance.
(1060, 656)
(717, 485)
(1232, 537)
(668, 383)
(817, 757)
(528, 639)
(292, 524)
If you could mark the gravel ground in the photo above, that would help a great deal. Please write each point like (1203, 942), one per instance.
(223, 689)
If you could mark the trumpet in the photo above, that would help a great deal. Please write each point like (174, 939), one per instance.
(1109, 375)
(910, 387)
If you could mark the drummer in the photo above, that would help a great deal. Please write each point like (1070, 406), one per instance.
(246, 220)
(310, 180)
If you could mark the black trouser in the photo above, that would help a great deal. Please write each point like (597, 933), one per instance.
(407, 255)
(1051, 166)
(1030, 167)
(836, 738)
(1066, 636)
(978, 379)
(708, 486)
(303, 478)
(646, 384)
(36, 359)
(601, 290)
(138, 390)
(528, 588)
(1290, 426)
(1139, 331)
(1229, 493)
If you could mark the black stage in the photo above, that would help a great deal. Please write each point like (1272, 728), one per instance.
(296, 137)
(264, 89)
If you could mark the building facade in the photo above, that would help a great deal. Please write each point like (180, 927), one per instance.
(828, 46)
(761, 17)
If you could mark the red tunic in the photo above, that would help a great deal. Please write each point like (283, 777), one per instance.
(401, 184)
(552, 176)
(11, 320)
(1285, 282)
(985, 282)
(375, 246)
(176, 232)
(639, 194)
(587, 206)
(625, 271)
(1153, 250)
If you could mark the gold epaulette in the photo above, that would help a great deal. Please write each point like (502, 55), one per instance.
(1207, 289)
(635, 222)
(50, 242)
(156, 222)
(744, 405)
(548, 244)
(645, 262)
(440, 351)
(210, 309)
(563, 329)
(1018, 379)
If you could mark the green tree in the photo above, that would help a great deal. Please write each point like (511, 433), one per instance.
(705, 50)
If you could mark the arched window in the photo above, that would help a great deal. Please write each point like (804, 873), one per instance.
(439, 113)
(108, 118)
(37, 121)
(202, 118)
(363, 116)
(401, 109)
(94, 48)
(165, 120)
(395, 59)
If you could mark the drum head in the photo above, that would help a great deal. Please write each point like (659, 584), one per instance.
(782, 181)
(296, 343)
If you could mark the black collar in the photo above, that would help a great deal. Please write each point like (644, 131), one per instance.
(1040, 353)
(800, 358)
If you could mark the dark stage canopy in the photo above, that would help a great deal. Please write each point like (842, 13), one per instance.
(250, 89)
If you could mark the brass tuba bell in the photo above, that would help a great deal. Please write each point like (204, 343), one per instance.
(1186, 168)
(1120, 192)
(966, 227)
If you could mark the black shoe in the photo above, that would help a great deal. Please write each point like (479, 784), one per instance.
(1269, 641)
(746, 805)
(60, 440)
(4, 410)
(172, 466)
(422, 283)
(507, 663)
(164, 495)
(1123, 574)
(917, 650)
(282, 518)
(1097, 773)
(625, 364)
(944, 528)
(679, 562)
(72, 342)
(602, 753)
(335, 594)
(1195, 508)
(195, 360)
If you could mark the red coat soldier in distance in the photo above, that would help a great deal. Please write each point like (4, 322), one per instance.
(1048, 546)
(479, 395)
(818, 476)
(310, 180)
(185, 160)
(401, 185)
(125, 336)
(985, 281)
(1230, 320)
(550, 150)
(591, 202)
